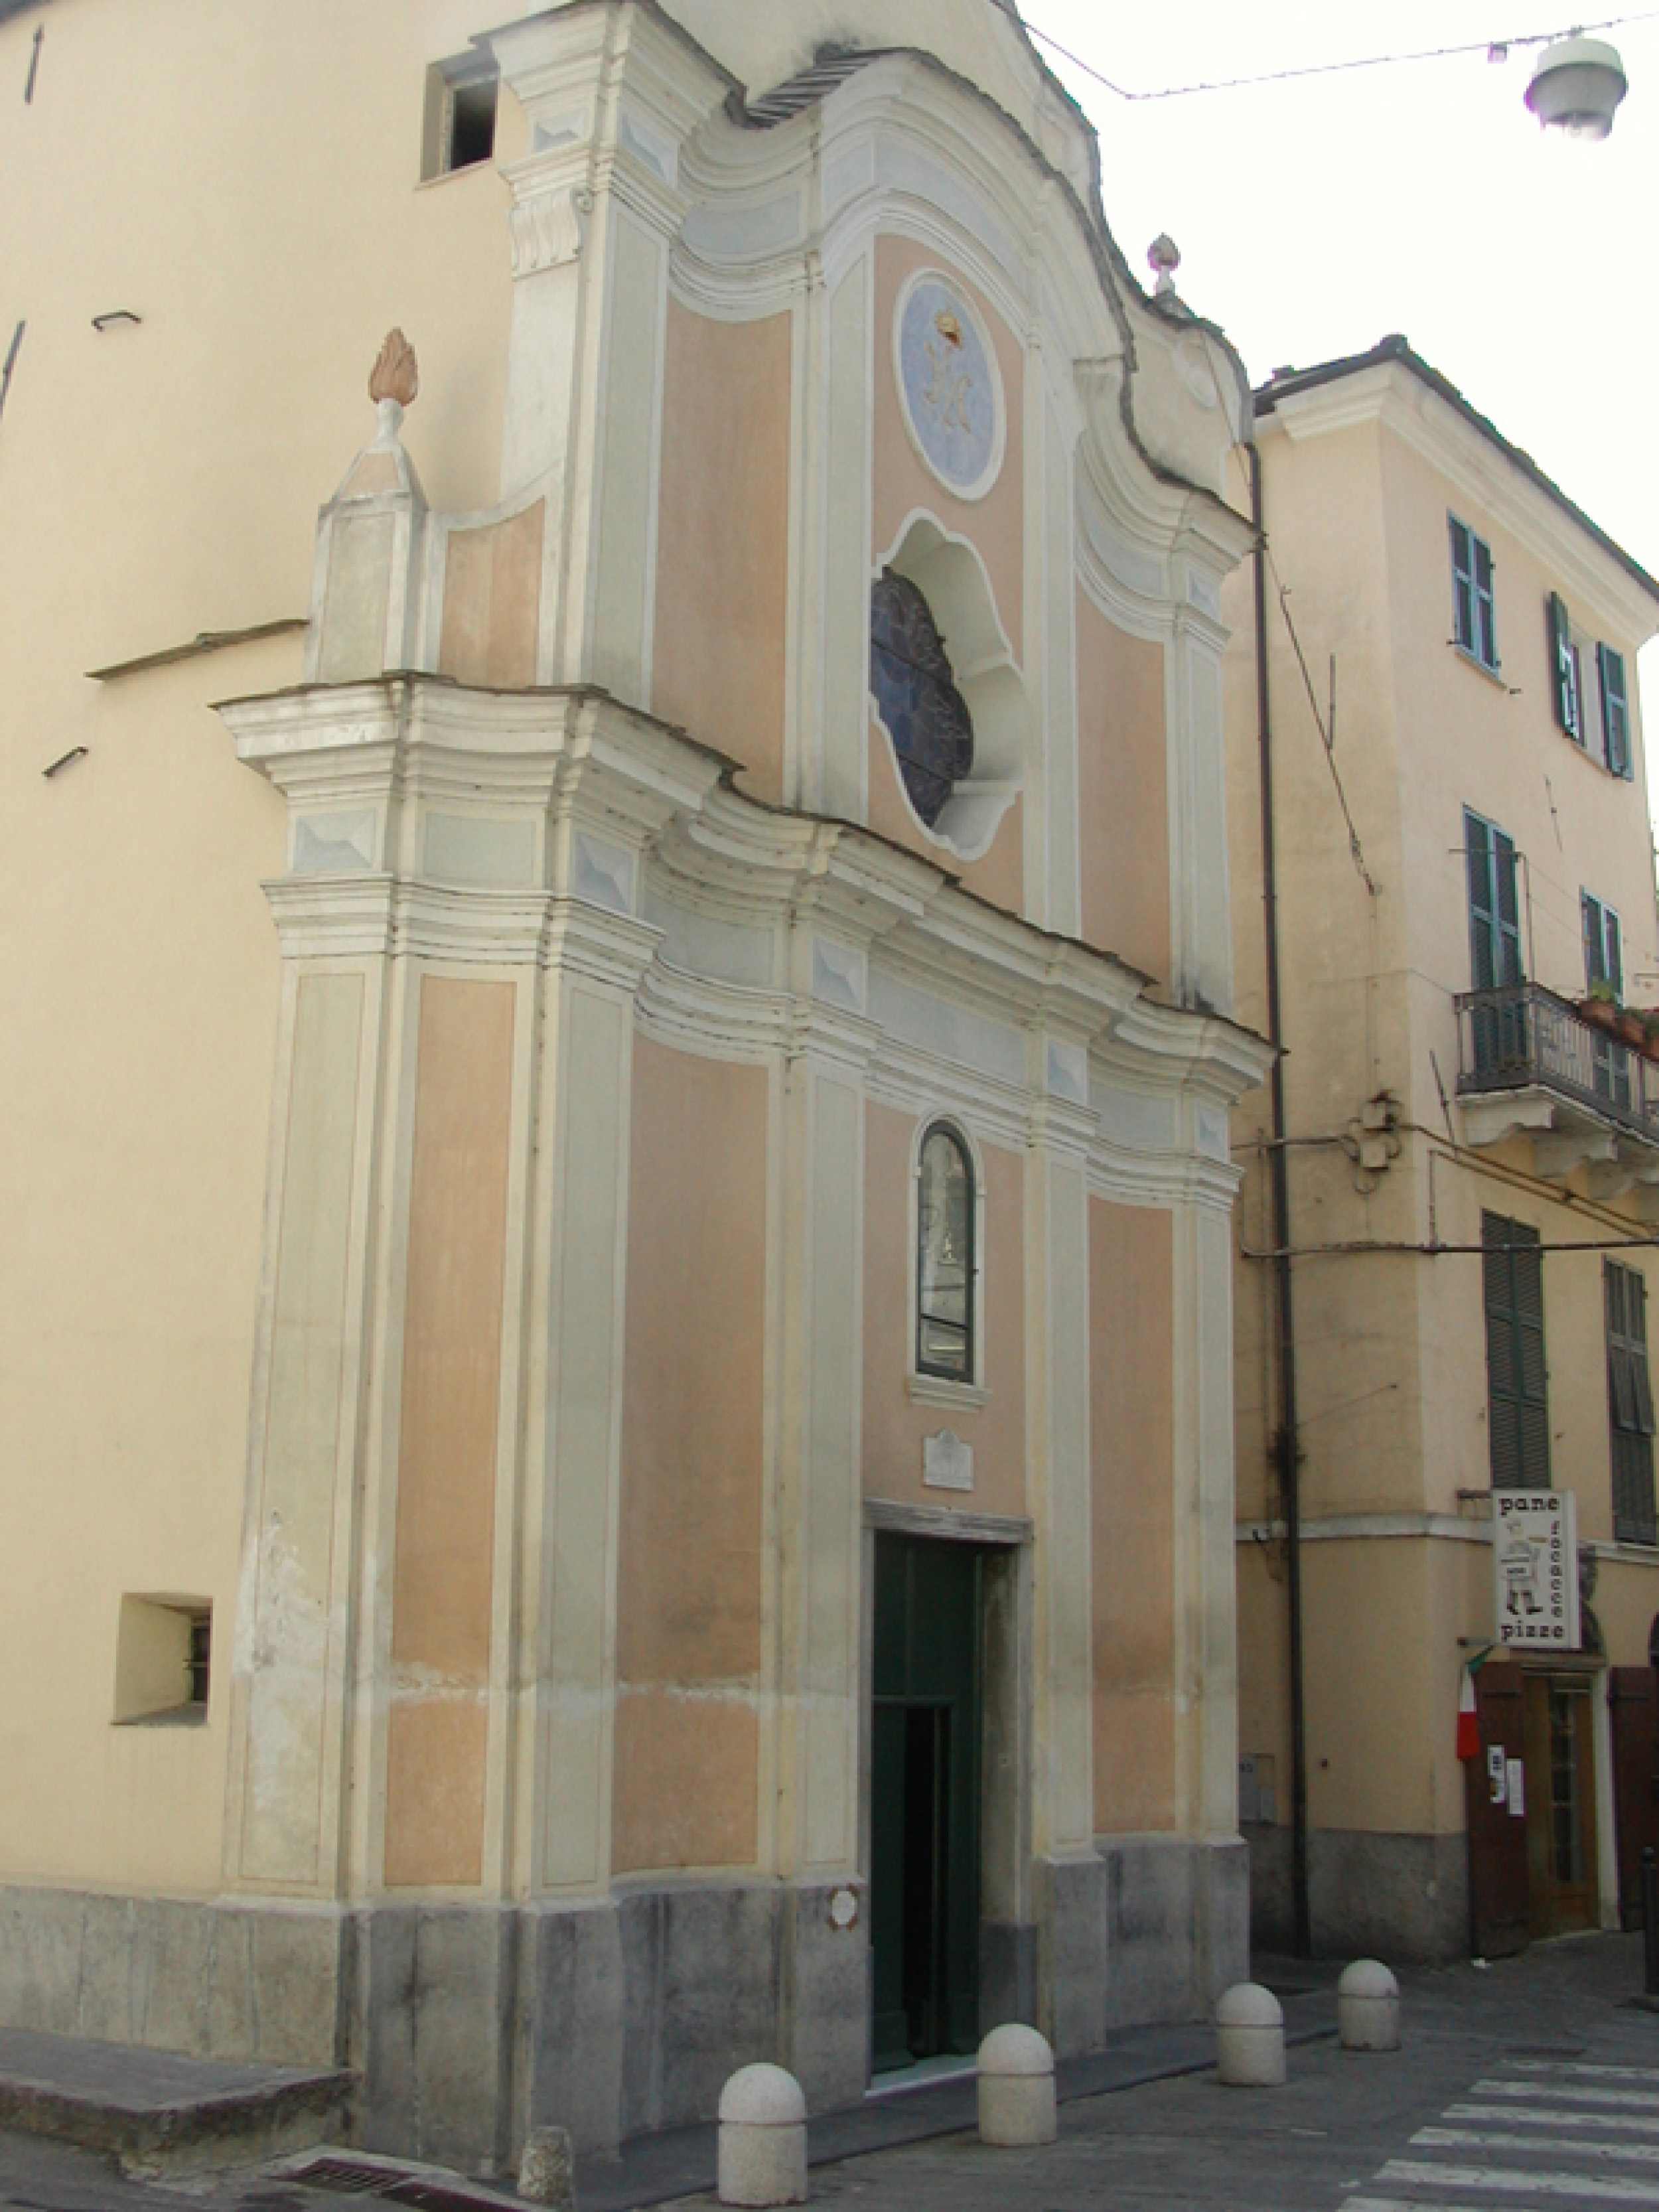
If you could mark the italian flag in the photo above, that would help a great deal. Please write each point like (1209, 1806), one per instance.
(1469, 1727)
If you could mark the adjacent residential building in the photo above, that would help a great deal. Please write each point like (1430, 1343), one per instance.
(616, 1293)
(1443, 1303)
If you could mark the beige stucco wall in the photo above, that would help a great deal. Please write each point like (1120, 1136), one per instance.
(443, 1559)
(1131, 1414)
(1123, 797)
(1391, 1346)
(719, 649)
(263, 216)
(689, 1566)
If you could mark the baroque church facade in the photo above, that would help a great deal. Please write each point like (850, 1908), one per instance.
(728, 1549)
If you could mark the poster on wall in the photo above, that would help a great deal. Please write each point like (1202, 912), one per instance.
(1535, 1563)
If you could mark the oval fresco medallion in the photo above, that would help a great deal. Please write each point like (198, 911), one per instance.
(948, 384)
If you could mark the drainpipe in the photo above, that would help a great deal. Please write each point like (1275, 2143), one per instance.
(1279, 1184)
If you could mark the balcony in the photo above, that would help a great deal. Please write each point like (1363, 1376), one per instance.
(1530, 1064)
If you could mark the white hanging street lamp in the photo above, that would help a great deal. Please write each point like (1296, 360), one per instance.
(1577, 87)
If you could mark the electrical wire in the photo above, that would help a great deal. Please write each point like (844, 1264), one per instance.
(1496, 48)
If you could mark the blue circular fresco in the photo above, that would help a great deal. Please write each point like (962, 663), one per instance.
(950, 386)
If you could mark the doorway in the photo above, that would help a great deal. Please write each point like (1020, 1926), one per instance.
(1561, 1831)
(925, 1753)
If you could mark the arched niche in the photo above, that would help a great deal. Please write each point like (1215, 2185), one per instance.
(948, 571)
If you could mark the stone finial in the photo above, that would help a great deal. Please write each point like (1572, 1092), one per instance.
(397, 373)
(1163, 255)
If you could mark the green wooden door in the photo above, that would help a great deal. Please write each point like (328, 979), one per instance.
(923, 1793)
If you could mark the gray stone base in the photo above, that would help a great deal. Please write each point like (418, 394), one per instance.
(469, 2025)
(1150, 1930)
(1400, 1898)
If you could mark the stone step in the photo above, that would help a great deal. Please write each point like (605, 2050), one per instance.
(158, 2112)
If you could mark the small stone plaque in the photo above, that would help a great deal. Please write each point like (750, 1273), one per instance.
(947, 1463)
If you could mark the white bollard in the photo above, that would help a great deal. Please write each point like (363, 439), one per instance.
(1017, 2089)
(1250, 2037)
(1367, 2007)
(547, 2172)
(763, 2138)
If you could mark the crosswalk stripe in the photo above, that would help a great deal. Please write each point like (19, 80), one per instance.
(1581, 2066)
(1645, 2099)
(1417, 2204)
(1487, 2139)
(1600, 2188)
(1515, 2116)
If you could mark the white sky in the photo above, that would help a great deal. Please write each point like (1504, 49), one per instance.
(1314, 217)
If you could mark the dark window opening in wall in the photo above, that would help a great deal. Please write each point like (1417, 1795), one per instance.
(917, 695)
(163, 1659)
(461, 101)
(201, 1657)
(945, 1258)
(1630, 1406)
(1517, 1381)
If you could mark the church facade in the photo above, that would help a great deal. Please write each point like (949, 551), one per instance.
(655, 1464)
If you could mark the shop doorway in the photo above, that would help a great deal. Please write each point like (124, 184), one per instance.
(1563, 1885)
(926, 1757)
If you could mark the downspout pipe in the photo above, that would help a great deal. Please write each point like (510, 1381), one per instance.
(1279, 1173)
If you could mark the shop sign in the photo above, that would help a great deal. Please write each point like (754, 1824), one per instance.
(1536, 1561)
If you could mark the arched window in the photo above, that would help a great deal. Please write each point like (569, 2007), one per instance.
(917, 695)
(944, 1257)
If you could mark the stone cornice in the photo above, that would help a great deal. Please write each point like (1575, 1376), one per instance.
(582, 797)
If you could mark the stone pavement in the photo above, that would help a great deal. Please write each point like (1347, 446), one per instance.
(1502, 2100)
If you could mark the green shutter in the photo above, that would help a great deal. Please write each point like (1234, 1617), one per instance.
(1629, 1404)
(1614, 953)
(1462, 556)
(1485, 609)
(1566, 678)
(1615, 709)
(1508, 904)
(1517, 1384)
(1483, 920)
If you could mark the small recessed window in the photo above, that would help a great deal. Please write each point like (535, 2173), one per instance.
(163, 1659)
(944, 1257)
(461, 99)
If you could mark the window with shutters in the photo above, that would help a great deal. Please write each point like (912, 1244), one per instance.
(1494, 905)
(1517, 1384)
(1630, 1405)
(1603, 953)
(1590, 698)
(1604, 976)
(1475, 609)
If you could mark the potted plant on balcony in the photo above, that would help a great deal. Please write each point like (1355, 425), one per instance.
(1599, 1006)
(1633, 1027)
(1651, 1032)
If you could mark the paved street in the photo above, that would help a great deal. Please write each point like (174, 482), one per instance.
(1531, 2086)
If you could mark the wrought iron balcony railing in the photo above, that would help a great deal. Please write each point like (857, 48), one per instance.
(1523, 1037)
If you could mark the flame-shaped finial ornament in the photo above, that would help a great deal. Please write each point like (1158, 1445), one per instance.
(397, 373)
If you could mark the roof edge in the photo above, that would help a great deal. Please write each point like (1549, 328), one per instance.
(1398, 349)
